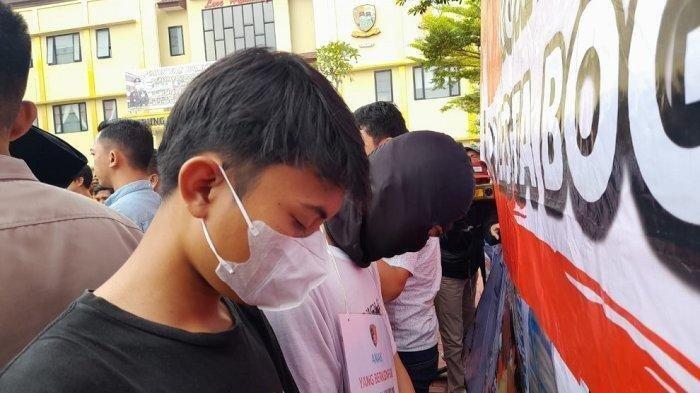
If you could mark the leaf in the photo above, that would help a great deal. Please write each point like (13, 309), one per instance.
(451, 46)
(333, 60)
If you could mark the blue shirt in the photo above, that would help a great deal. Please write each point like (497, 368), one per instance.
(136, 201)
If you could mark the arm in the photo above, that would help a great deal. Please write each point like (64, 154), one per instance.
(392, 279)
(402, 378)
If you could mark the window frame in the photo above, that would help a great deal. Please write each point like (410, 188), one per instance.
(238, 28)
(104, 109)
(109, 43)
(170, 40)
(449, 89)
(391, 84)
(51, 42)
(82, 110)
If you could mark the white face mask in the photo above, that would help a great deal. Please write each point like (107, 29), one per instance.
(281, 270)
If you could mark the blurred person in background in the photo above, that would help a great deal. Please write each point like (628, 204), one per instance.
(82, 182)
(122, 153)
(153, 176)
(378, 122)
(101, 193)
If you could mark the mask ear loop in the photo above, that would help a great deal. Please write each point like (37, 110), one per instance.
(253, 229)
(213, 249)
(337, 271)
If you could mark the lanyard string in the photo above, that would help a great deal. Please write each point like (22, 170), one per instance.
(337, 272)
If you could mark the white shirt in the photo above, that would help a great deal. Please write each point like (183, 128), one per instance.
(412, 314)
(309, 335)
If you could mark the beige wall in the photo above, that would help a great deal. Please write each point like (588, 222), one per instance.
(167, 19)
(303, 35)
(109, 72)
(90, 80)
(196, 31)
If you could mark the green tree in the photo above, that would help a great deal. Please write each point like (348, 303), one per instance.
(451, 47)
(333, 60)
(423, 5)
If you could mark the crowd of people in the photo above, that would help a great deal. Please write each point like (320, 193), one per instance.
(275, 241)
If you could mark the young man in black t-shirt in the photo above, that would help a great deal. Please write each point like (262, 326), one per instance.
(258, 151)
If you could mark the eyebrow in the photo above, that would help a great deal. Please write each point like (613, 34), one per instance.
(317, 209)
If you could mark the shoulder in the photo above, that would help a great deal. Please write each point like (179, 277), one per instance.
(431, 251)
(55, 361)
(407, 261)
(137, 202)
(35, 203)
(52, 364)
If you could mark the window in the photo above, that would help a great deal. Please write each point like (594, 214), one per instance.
(382, 86)
(237, 27)
(104, 44)
(109, 109)
(424, 88)
(177, 44)
(63, 49)
(70, 118)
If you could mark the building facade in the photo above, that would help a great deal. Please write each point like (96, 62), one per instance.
(102, 59)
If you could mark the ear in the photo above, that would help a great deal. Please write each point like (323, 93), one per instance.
(113, 158)
(197, 177)
(23, 121)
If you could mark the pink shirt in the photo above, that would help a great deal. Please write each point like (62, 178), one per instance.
(54, 244)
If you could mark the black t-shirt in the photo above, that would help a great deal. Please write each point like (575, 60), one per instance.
(95, 346)
(462, 247)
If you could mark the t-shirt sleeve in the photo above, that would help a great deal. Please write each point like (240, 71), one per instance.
(408, 261)
(53, 365)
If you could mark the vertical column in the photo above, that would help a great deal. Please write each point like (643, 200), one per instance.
(91, 104)
(149, 33)
(401, 93)
(325, 21)
(38, 62)
(283, 27)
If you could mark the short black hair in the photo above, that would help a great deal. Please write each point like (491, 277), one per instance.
(86, 174)
(381, 120)
(104, 123)
(153, 164)
(133, 138)
(15, 52)
(258, 108)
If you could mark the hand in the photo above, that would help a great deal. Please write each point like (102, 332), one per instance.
(496, 231)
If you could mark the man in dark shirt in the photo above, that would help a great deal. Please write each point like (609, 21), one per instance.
(258, 151)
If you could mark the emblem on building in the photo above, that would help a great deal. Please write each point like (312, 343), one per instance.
(365, 17)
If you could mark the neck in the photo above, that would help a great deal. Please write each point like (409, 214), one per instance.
(4, 144)
(126, 176)
(158, 283)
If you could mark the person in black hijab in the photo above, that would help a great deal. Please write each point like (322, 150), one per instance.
(419, 180)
